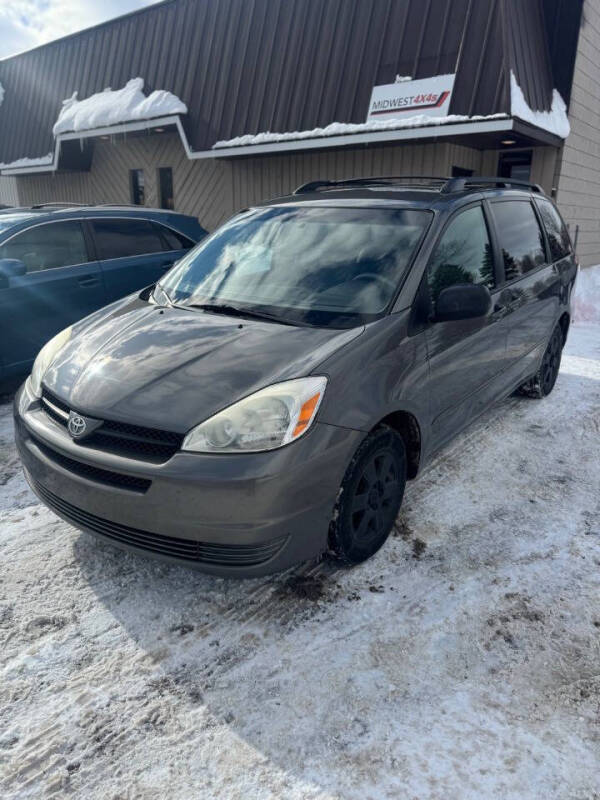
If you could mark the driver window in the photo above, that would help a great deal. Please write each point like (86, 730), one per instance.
(463, 254)
(47, 246)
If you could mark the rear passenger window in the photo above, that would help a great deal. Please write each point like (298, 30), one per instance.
(172, 239)
(463, 254)
(119, 238)
(520, 236)
(556, 230)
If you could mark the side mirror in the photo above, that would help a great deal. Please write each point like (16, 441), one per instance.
(12, 268)
(463, 301)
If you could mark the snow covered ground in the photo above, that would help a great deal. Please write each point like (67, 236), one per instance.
(461, 662)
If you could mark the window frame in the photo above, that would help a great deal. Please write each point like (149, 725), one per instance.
(498, 269)
(516, 199)
(90, 250)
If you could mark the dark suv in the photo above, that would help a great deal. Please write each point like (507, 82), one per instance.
(269, 397)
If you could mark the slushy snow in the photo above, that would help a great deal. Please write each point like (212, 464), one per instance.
(109, 107)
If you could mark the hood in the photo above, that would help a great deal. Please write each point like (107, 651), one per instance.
(172, 368)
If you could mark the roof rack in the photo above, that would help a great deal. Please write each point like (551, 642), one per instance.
(444, 185)
(475, 182)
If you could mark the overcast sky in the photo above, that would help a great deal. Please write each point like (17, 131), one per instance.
(27, 23)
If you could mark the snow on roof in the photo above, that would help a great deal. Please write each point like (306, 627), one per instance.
(555, 121)
(110, 107)
(42, 161)
(346, 128)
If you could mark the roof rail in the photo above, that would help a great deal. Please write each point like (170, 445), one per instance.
(426, 181)
(475, 182)
(435, 183)
(39, 206)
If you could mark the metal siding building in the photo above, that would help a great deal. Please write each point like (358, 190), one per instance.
(245, 67)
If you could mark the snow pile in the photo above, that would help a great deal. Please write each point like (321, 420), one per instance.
(586, 301)
(556, 120)
(109, 107)
(347, 128)
(41, 161)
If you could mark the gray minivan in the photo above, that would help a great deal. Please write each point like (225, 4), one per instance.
(269, 397)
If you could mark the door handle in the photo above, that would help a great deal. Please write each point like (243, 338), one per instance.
(88, 281)
(166, 264)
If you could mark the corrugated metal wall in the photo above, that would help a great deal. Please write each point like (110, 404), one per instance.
(246, 66)
(579, 183)
(9, 195)
(213, 190)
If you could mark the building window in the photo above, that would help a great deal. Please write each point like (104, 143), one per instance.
(165, 188)
(136, 181)
(515, 165)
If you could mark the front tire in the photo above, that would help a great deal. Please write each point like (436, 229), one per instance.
(544, 379)
(370, 497)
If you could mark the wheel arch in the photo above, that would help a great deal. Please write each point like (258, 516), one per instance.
(565, 324)
(407, 425)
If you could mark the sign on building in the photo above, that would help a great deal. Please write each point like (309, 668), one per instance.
(429, 96)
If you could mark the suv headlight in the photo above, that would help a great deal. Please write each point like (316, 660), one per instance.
(265, 420)
(45, 357)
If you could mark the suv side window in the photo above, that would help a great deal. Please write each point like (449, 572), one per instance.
(520, 237)
(556, 230)
(121, 238)
(48, 246)
(173, 240)
(463, 254)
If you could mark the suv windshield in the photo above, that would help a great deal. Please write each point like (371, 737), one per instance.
(335, 267)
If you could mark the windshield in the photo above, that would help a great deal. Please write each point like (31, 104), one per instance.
(335, 267)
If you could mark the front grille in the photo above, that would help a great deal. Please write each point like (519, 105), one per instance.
(96, 474)
(119, 438)
(185, 549)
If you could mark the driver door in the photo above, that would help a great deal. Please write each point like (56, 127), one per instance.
(466, 357)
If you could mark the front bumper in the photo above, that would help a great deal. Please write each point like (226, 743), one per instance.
(248, 514)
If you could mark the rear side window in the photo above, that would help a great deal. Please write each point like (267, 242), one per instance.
(172, 239)
(520, 236)
(463, 254)
(119, 238)
(56, 244)
(556, 230)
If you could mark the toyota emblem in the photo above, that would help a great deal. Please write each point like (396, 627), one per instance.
(77, 426)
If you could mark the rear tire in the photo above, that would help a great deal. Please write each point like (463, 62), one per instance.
(544, 379)
(370, 497)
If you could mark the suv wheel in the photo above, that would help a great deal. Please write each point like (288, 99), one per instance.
(543, 381)
(369, 498)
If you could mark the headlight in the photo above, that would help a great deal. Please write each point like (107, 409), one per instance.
(45, 357)
(265, 420)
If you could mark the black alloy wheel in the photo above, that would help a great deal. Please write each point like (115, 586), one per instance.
(544, 380)
(370, 497)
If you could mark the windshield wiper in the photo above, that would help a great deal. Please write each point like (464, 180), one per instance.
(235, 311)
